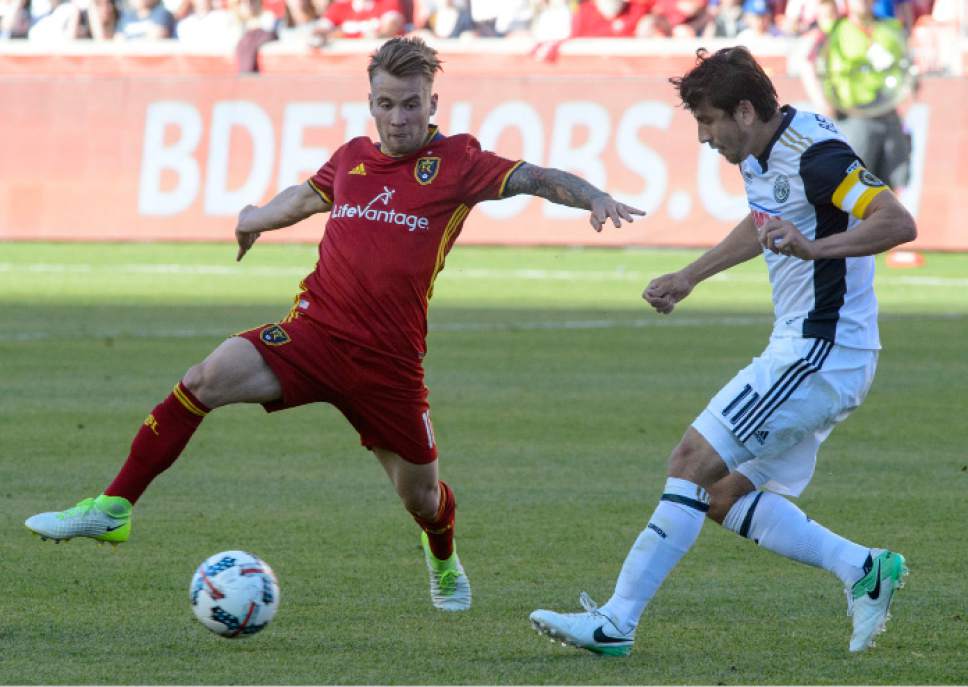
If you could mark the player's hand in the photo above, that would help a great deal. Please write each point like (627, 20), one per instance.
(782, 238)
(664, 292)
(244, 238)
(605, 207)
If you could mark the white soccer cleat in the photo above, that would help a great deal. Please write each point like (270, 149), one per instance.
(450, 590)
(105, 518)
(869, 600)
(592, 630)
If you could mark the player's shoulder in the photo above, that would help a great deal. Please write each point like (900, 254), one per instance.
(456, 142)
(806, 130)
(358, 144)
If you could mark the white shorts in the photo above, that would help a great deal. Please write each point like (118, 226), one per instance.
(770, 419)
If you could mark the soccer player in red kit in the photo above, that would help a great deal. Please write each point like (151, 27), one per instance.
(355, 336)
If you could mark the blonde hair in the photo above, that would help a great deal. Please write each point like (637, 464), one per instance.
(405, 56)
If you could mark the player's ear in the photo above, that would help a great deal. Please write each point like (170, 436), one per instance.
(745, 112)
(433, 104)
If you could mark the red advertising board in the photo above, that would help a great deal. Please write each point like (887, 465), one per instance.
(100, 148)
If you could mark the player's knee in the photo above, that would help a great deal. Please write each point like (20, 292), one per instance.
(193, 379)
(202, 381)
(724, 494)
(695, 460)
(719, 505)
(421, 501)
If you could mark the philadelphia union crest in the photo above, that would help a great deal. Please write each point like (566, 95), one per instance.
(781, 188)
(425, 171)
(869, 179)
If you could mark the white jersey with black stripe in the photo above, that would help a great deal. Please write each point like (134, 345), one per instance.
(809, 176)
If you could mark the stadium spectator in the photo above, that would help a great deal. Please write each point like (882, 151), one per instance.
(259, 27)
(800, 16)
(825, 14)
(100, 21)
(552, 20)
(38, 9)
(57, 26)
(361, 19)
(934, 40)
(179, 9)
(299, 24)
(145, 20)
(210, 24)
(757, 21)
(278, 9)
(727, 20)
(14, 18)
(859, 72)
(680, 18)
(902, 10)
(610, 19)
(444, 18)
(255, 17)
(497, 18)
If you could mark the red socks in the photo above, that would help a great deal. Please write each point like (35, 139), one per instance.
(159, 442)
(440, 530)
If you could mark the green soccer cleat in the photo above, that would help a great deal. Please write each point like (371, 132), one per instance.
(450, 590)
(104, 519)
(592, 630)
(869, 600)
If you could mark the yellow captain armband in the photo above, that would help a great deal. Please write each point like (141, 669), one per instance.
(857, 190)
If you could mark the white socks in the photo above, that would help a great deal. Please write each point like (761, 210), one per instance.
(776, 524)
(672, 530)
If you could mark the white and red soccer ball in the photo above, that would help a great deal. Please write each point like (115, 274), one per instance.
(234, 594)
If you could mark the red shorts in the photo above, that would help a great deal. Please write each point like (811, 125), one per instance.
(382, 396)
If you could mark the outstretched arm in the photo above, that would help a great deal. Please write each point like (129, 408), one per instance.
(740, 245)
(289, 206)
(567, 189)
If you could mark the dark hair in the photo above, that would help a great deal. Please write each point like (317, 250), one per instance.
(723, 79)
(405, 57)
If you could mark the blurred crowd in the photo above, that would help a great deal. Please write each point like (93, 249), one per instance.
(247, 24)
(223, 23)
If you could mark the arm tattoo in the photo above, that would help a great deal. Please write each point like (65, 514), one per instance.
(555, 185)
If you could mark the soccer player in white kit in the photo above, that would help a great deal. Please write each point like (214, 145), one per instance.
(817, 216)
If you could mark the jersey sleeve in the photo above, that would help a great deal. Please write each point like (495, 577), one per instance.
(322, 181)
(833, 174)
(485, 174)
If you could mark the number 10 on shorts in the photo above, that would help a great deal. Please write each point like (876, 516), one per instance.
(425, 416)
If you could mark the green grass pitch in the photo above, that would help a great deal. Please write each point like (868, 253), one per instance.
(557, 396)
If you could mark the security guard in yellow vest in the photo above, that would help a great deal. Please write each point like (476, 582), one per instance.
(863, 70)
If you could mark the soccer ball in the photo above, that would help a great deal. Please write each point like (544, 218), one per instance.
(234, 594)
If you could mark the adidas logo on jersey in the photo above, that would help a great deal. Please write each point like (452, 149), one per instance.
(761, 435)
(359, 169)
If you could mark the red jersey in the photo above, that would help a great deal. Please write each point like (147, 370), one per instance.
(392, 223)
(359, 19)
(588, 22)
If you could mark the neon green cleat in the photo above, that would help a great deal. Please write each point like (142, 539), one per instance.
(105, 518)
(450, 590)
(869, 600)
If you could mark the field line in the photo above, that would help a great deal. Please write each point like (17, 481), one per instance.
(495, 327)
(884, 278)
(506, 326)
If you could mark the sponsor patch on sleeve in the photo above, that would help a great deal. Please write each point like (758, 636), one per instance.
(857, 190)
